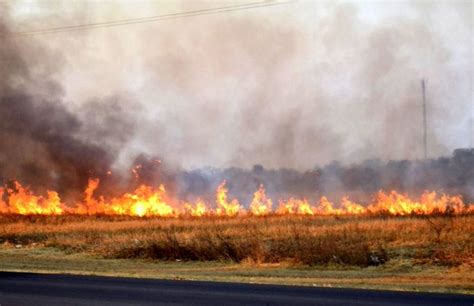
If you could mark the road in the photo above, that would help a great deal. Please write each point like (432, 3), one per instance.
(49, 289)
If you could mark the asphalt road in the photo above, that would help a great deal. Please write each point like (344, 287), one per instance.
(42, 289)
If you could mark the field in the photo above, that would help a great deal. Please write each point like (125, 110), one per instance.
(429, 253)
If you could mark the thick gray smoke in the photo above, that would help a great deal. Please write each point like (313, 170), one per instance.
(293, 86)
(41, 141)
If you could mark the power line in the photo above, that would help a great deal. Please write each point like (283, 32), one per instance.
(122, 22)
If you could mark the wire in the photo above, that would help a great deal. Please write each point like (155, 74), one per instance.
(109, 24)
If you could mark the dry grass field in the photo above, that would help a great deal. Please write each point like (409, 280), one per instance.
(411, 252)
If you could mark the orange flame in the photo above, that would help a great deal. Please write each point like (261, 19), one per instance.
(224, 207)
(260, 204)
(326, 207)
(398, 204)
(150, 201)
(295, 207)
(22, 201)
(198, 210)
(144, 201)
(351, 208)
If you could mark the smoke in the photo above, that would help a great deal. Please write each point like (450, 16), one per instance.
(292, 86)
(299, 94)
(450, 175)
(278, 90)
(42, 143)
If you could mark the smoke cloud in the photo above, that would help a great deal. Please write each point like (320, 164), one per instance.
(43, 144)
(293, 86)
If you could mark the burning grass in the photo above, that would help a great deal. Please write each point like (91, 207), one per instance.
(150, 201)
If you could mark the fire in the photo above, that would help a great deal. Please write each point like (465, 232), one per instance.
(198, 210)
(151, 201)
(260, 205)
(352, 208)
(22, 201)
(144, 201)
(224, 207)
(396, 203)
(91, 205)
(326, 207)
(295, 206)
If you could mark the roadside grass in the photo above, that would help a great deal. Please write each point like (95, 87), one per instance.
(433, 253)
(399, 275)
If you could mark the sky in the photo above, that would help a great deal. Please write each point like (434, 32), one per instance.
(294, 85)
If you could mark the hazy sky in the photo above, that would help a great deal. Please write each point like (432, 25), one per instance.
(294, 85)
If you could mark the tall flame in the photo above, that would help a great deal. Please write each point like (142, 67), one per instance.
(224, 207)
(260, 204)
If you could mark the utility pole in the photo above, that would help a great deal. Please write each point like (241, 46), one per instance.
(425, 140)
(471, 131)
